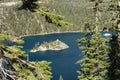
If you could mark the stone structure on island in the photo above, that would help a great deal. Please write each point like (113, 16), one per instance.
(53, 45)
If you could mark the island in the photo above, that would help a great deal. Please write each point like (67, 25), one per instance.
(52, 45)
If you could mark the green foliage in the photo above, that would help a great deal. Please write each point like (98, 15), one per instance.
(99, 1)
(15, 68)
(35, 71)
(14, 52)
(21, 22)
(52, 18)
(30, 5)
(114, 59)
(25, 70)
(94, 64)
(114, 8)
(77, 12)
(114, 69)
(3, 37)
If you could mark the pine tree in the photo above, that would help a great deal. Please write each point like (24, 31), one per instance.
(13, 67)
(31, 5)
(114, 69)
(95, 61)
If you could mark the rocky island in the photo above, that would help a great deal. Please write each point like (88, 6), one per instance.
(53, 45)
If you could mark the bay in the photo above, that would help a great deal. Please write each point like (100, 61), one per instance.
(63, 61)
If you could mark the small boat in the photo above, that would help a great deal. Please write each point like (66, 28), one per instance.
(107, 34)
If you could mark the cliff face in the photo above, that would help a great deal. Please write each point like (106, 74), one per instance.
(53, 45)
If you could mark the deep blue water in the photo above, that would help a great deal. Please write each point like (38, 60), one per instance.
(63, 61)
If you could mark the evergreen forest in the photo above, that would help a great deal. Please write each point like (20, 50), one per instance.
(101, 56)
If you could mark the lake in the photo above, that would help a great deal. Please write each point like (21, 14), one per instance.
(63, 61)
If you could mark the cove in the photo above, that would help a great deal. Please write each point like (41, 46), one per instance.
(63, 61)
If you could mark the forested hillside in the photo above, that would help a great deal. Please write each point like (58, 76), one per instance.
(77, 12)
(101, 59)
(101, 54)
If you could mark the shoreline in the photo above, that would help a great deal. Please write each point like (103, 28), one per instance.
(46, 33)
